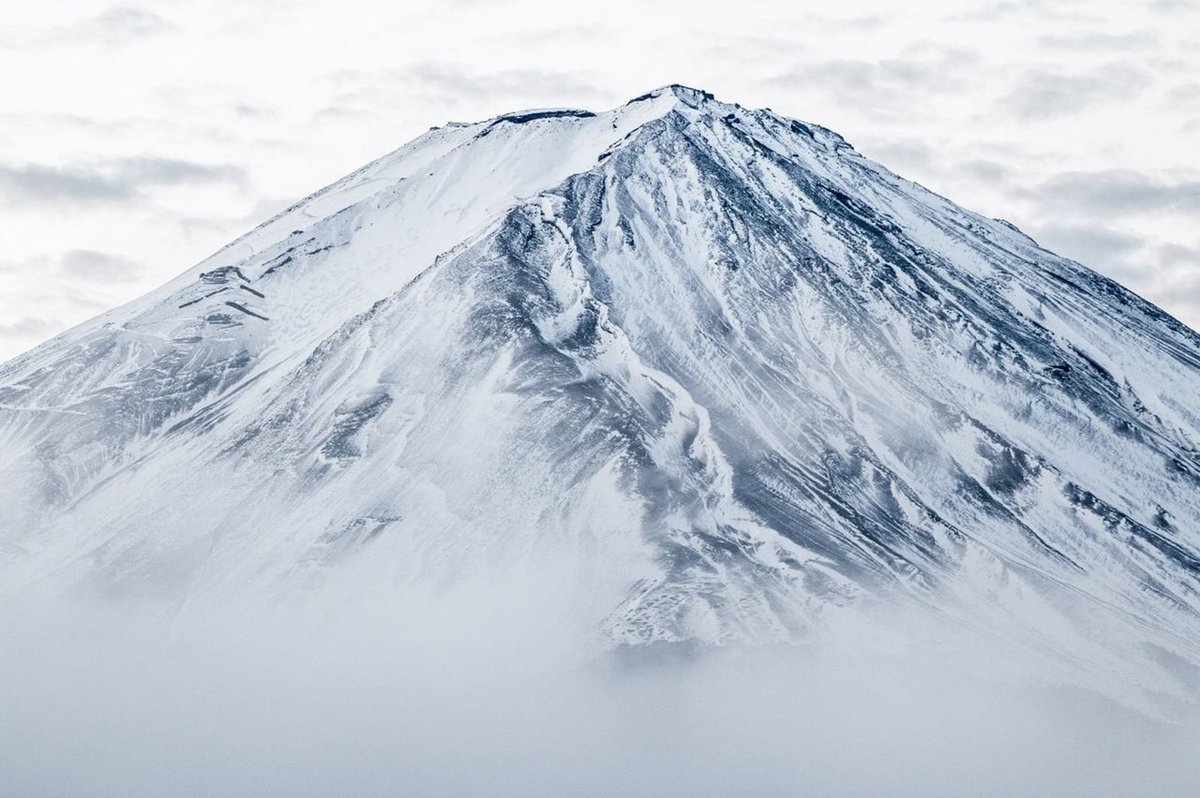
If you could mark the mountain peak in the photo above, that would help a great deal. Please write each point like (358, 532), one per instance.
(738, 377)
(687, 94)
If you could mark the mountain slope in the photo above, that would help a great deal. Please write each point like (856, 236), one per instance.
(734, 375)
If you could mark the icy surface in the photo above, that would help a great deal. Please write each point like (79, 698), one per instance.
(741, 377)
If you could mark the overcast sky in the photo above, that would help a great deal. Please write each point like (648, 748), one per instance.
(135, 139)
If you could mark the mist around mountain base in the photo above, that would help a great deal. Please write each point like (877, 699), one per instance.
(488, 688)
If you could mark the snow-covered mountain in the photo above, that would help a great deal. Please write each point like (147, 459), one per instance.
(734, 376)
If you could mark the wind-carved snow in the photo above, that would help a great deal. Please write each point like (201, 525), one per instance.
(742, 378)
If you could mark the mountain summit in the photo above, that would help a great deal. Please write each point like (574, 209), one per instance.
(734, 376)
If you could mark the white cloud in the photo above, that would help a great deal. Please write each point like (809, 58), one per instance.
(88, 265)
(482, 689)
(112, 181)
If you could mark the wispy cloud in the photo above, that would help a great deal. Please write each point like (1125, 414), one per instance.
(438, 84)
(438, 78)
(1179, 255)
(115, 26)
(92, 266)
(1048, 94)
(163, 171)
(989, 170)
(35, 183)
(886, 82)
(1093, 245)
(1187, 93)
(1007, 9)
(1173, 6)
(1098, 42)
(1120, 191)
(113, 180)
(27, 327)
(902, 155)
(989, 12)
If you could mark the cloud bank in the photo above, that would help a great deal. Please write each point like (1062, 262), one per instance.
(484, 688)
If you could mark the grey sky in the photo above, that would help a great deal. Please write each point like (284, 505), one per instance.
(136, 138)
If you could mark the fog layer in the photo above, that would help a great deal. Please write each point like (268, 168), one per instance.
(490, 689)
